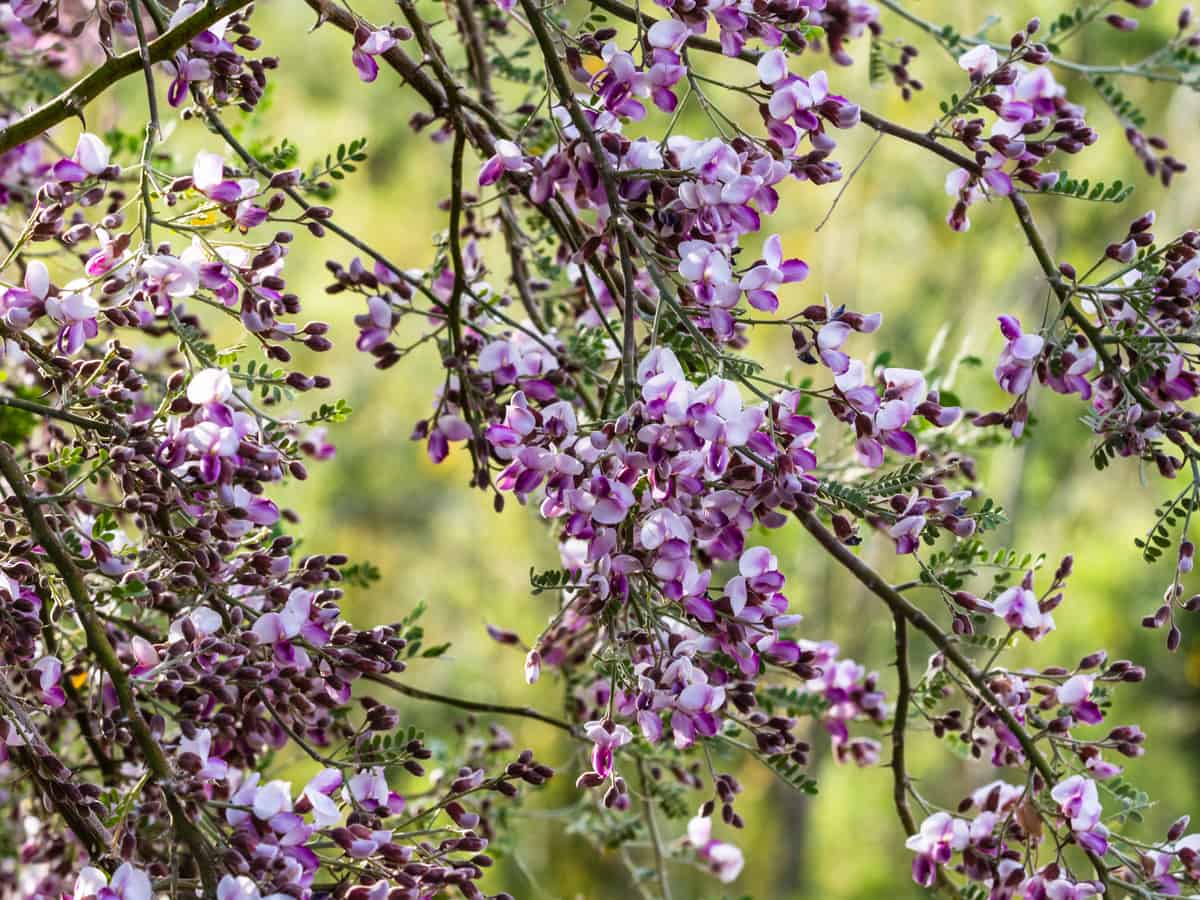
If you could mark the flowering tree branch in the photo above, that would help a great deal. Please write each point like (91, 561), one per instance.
(605, 378)
(72, 101)
(899, 606)
(106, 657)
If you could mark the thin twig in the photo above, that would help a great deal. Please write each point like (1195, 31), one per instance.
(846, 183)
(660, 861)
(500, 709)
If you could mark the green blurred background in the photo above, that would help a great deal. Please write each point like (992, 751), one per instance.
(885, 248)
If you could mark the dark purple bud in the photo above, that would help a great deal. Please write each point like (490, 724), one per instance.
(1121, 23)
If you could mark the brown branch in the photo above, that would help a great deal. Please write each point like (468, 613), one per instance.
(920, 139)
(1038, 244)
(476, 51)
(620, 223)
(876, 584)
(72, 101)
(900, 779)
(899, 724)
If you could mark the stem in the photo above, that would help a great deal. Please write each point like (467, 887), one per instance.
(1095, 338)
(147, 70)
(525, 712)
(618, 221)
(920, 139)
(51, 412)
(660, 862)
(899, 724)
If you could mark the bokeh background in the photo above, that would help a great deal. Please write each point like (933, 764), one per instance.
(885, 248)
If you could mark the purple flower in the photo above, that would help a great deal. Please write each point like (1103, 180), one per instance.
(1041, 888)
(717, 416)
(318, 794)
(1014, 371)
(508, 158)
(200, 746)
(772, 67)
(979, 61)
(369, 789)
(725, 860)
(128, 883)
(90, 158)
(237, 888)
(210, 386)
(1079, 801)
(208, 177)
(939, 838)
(214, 441)
(76, 313)
(21, 306)
(533, 667)
(368, 45)
(145, 654)
(606, 738)
(1018, 607)
(375, 326)
(760, 282)
(295, 620)
(49, 670)
(187, 70)
(1076, 693)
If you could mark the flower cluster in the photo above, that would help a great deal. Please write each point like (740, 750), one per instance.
(1034, 120)
(212, 63)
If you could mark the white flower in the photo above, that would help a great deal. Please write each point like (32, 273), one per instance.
(210, 386)
(92, 154)
(980, 61)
